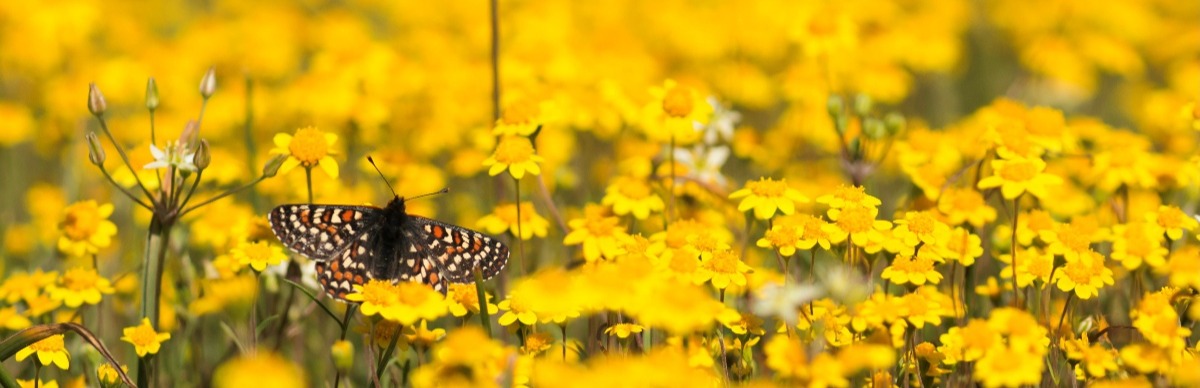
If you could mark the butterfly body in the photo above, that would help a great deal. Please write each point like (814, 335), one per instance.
(353, 244)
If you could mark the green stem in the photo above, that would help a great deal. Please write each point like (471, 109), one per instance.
(192, 190)
(308, 183)
(1013, 249)
(485, 320)
(124, 158)
(345, 323)
(520, 237)
(387, 355)
(7, 381)
(222, 195)
(127, 193)
(152, 266)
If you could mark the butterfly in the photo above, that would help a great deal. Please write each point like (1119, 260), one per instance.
(353, 244)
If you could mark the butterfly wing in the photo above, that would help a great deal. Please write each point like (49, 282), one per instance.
(456, 250)
(416, 263)
(350, 267)
(320, 232)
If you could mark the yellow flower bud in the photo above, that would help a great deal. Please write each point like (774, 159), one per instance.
(95, 149)
(208, 84)
(343, 355)
(96, 103)
(151, 94)
(272, 166)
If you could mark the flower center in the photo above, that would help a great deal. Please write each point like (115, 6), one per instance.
(258, 251)
(768, 188)
(79, 279)
(683, 263)
(967, 200)
(309, 146)
(678, 102)
(514, 149)
(704, 243)
(412, 293)
(464, 294)
(782, 236)
(81, 222)
(379, 293)
(143, 335)
(922, 224)
(1170, 218)
(724, 262)
(855, 219)
(1018, 171)
(50, 344)
(1073, 239)
(634, 189)
(521, 112)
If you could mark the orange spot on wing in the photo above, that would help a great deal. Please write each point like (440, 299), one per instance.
(438, 232)
(347, 216)
(304, 217)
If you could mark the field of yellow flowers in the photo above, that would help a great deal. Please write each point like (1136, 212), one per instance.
(883, 193)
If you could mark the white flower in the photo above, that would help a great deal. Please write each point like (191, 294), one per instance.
(783, 301)
(720, 127)
(704, 163)
(173, 155)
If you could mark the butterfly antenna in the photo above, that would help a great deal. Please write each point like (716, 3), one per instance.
(444, 190)
(385, 180)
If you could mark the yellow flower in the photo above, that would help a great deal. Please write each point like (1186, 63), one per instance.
(624, 330)
(462, 299)
(521, 117)
(801, 231)
(308, 148)
(108, 376)
(234, 294)
(537, 343)
(1097, 361)
(504, 219)
(916, 270)
(421, 335)
(1163, 329)
(673, 114)
(723, 268)
(1085, 275)
(404, 302)
(515, 154)
(258, 255)
(85, 228)
(786, 357)
(599, 234)
(1032, 264)
(859, 224)
(629, 195)
(1173, 220)
(144, 338)
(921, 227)
(965, 206)
(26, 285)
(78, 286)
(1018, 176)
(1183, 267)
(466, 358)
(517, 308)
(846, 196)
(49, 350)
(1147, 359)
(40, 384)
(963, 247)
(1138, 242)
(1005, 366)
(12, 320)
(968, 343)
(766, 196)
(259, 369)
